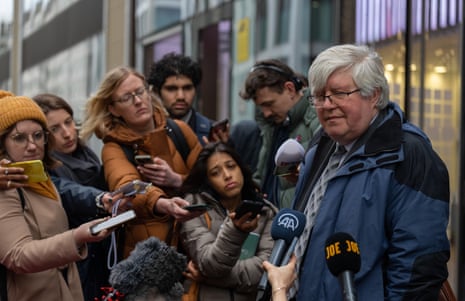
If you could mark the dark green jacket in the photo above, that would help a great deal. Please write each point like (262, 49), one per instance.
(303, 124)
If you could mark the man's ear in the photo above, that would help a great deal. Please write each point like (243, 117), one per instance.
(374, 98)
(290, 87)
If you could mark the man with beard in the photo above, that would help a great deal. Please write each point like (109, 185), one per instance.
(175, 79)
(280, 94)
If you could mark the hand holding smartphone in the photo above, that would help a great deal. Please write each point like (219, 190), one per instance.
(113, 222)
(143, 159)
(285, 170)
(132, 188)
(249, 206)
(217, 126)
(197, 207)
(34, 169)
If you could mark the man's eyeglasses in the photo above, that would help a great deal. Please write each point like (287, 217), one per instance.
(337, 98)
(39, 138)
(129, 98)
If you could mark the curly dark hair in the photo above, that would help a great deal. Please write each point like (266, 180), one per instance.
(173, 64)
(197, 181)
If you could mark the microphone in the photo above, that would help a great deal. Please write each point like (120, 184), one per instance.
(343, 260)
(288, 157)
(287, 226)
(153, 268)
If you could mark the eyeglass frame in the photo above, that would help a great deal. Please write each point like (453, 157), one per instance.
(338, 97)
(139, 92)
(30, 138)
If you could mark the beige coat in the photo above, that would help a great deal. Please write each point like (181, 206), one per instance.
(37, 248)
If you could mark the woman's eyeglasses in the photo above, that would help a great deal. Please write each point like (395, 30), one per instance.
(39, 138)
(129, 98)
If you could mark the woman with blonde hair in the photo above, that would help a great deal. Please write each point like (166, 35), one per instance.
(125, 114)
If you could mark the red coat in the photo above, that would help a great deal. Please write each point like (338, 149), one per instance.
(119, 170)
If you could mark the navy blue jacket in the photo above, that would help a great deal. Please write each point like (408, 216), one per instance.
(200, 125)
(392, 195)
(79, 203)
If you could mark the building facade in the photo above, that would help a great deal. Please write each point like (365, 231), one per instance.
(66, 46)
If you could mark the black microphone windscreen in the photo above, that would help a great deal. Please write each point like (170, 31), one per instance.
(288, 224)
(342, 253)
(152, 264)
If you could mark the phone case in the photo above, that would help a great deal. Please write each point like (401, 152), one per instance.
(132, 188)
(285, 170)
(222, 124)
(197, 207)
(248, 206)
(34, 169)
(143, 159)
(113, 222)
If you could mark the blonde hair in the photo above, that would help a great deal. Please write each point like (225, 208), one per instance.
(98, 119)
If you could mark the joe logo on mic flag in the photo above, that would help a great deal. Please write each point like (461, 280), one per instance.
(343, 260)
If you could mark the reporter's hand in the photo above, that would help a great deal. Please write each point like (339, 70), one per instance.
(245, 223)
(160, 173)
(283, 276)
(109, 200)
(11, 177)
(292, 178)
(173, 207)
(82, 233)
(218, 135)
(192, 272)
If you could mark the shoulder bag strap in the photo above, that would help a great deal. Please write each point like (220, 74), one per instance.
(175, 133)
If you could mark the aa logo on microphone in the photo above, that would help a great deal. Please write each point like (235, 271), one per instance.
(288, 221)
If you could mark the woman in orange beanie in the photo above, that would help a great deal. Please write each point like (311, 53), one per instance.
(36, 246)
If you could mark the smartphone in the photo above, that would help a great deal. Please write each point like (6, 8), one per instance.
(285, 170)
(132, 188)
(113, 222)
(217, 126)
(34, 169)
(249, 206)
(197, 207)
(143, 159)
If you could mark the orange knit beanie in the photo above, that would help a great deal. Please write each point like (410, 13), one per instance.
(17, 108)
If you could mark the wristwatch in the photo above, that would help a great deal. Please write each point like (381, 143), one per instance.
(99, 203)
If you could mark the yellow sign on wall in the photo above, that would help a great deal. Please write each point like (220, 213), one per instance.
(243, 33)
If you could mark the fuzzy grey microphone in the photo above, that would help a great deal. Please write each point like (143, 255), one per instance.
(152, 271)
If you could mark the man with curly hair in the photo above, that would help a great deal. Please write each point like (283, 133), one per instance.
(175, 79)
